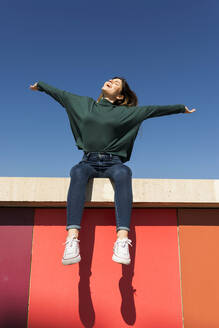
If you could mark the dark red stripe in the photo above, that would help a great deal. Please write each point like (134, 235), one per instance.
(16, 225)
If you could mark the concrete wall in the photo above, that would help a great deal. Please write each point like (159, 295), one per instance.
(173, 277)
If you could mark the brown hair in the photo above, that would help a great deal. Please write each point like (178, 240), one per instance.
(130, 98)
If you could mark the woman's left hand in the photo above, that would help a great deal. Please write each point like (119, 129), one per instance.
(189, 111)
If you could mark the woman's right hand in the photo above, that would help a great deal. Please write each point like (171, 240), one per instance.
(34, 87)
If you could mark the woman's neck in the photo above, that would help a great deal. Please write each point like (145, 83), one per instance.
(107, 98)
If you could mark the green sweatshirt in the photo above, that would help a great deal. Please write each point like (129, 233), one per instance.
(104, 127)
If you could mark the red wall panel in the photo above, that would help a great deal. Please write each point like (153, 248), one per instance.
(98, 292)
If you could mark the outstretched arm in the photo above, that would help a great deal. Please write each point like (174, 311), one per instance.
(161, 110)
(152, 111)
(57, 94)
(141, 113)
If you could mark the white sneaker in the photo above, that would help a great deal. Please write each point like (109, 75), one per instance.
(72, 251)
(121, 251)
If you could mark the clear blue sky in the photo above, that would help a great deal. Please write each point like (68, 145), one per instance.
(167, 50)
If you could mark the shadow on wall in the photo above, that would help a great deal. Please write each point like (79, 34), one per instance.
(86, 309)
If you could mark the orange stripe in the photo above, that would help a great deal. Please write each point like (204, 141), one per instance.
(199, 241)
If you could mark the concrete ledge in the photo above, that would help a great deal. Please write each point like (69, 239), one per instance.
(52, 192)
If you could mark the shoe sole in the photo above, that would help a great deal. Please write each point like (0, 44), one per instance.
(71, 261)
(119, 260)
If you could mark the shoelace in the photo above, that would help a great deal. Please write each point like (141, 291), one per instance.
(124, 242)
(70, 241)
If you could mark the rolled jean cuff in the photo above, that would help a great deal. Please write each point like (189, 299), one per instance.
(122, 228)
(73, 227)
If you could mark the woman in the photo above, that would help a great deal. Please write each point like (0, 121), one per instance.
(105, 130)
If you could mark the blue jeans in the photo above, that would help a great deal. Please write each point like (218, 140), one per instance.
(100, 165)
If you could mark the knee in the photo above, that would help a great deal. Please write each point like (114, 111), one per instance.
(76, 171)
(122, 172)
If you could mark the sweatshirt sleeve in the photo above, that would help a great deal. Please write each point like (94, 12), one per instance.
(142, 113)
(57, 94)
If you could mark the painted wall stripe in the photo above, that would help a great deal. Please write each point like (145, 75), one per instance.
(16, 225)
(199, 245)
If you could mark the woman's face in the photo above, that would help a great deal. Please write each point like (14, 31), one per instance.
(112, 89)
